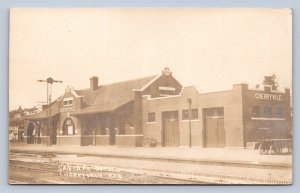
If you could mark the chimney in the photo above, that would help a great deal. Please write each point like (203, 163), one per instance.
(93, 83)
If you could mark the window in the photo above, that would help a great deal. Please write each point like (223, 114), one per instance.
(68, 102)
(268, 112)
(194, 113)
(255, 111)
(185, 114)
(151, 117)
(279, 112)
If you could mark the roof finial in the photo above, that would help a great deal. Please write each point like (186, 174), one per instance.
(166, 71)
(69, 88)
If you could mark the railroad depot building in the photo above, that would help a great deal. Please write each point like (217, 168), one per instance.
(160, 111)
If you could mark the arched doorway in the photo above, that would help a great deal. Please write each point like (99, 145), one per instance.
(68, 127)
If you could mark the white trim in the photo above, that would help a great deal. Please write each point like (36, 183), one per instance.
(192, 120)
(66, 136)
(148, 123)
(59, 98)
(166, 88)
(87, 135)
(165, 95)
(25, 136)
(82, 135)
(130, 135)
(148, 97)
(193, 146)
(266, 118)
(68, 98)
(216, 117)
(151, 82)
(73, 93)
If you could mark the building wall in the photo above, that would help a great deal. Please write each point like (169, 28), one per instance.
(68, 139)
(132, 119)
(65, 110)
(175, 103)
(239, 124)
(274, 126)
(154, 90)
(230, 100)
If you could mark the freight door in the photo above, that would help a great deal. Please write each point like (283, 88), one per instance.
(170, 128)
(215, 133)
(214, 127)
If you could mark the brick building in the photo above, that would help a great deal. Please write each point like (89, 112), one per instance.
(102, 114)
(218, 119)
(159, 110)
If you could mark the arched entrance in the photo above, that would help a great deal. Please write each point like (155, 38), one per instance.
(68, 127)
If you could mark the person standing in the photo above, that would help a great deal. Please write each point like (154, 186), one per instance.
(34, 136)
(22, 138)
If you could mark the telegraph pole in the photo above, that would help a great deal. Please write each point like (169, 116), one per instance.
(49, 82)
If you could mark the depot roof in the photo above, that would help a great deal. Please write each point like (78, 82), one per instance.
(103, 99)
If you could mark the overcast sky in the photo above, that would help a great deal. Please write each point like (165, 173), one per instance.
(209, 48)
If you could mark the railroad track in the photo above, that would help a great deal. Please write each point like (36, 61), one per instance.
(39, 168)
(57, 173)
(199, 177)
(155, 175)
(202, 162)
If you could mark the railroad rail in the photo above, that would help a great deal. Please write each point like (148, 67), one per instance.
(202, 162)
(40, 169)
(154, 175)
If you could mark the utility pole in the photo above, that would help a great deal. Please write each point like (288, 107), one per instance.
(49, 82)
(189, 100)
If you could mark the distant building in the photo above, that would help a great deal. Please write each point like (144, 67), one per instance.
(17, 122)
(158, 110)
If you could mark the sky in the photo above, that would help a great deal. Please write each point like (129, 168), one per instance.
(209, 48)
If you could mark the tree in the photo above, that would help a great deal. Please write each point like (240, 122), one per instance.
(272, 81)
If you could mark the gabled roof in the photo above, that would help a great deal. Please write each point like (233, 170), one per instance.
(111, 96)
(104, 98)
